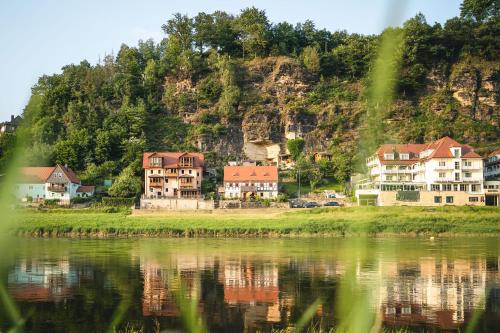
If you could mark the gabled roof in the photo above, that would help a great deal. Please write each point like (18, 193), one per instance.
(442, 149)
(494, 153)
(250, 172)
(413, 149)
(35, 175)
(69, 173)
(171, 159)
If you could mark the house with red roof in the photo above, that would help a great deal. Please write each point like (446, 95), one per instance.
(442, 172)
(250, 181)
(56, 182)
(172, 174)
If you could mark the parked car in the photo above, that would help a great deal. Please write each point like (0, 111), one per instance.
(297, 204)
(333, 204)
(311, 204)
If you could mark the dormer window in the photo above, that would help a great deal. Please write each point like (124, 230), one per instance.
(456, 152)
(155, 162)
(404, 156)
(389, 156)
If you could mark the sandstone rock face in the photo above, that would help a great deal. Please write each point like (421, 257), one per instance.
(477, 90)
(274, 107)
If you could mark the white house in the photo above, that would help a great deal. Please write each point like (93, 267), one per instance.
(250, 181)
(443, 172)
(59, 182)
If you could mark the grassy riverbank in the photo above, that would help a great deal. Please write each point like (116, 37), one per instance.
(263, 222)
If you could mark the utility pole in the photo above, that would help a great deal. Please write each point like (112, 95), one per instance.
(299, 185)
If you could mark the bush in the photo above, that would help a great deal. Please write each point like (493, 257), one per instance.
(51, 202)
(77, 200)
(117, 201)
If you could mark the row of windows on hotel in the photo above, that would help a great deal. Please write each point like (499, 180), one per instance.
(441, 164)
(434, 187)
(456, 187)
(449, 199)
(406, 156)
(170, 171)
(182, 180)
(441, 175)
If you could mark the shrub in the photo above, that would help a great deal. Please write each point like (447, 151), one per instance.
(117, 201)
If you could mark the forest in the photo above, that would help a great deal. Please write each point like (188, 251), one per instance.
(100, 118)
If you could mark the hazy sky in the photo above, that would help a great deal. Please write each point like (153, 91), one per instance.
(40, 36)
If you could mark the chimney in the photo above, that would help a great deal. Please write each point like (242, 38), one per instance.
(66, 166)
(12, 118)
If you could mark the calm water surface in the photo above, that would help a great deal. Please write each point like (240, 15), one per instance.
(253, 285)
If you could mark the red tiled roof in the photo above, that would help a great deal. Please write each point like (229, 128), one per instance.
(85, 189)
(413, 149)
(250, 172)
(35, 174)
(441, 149)
(494, 153)
(171, 159)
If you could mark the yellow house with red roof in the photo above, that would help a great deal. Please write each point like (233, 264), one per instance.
(442, 172)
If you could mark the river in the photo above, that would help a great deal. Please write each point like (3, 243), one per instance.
(253, 285)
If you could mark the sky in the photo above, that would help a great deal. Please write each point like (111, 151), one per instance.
(40, 36)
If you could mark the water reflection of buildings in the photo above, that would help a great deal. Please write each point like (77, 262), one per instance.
(40, 281)
(253, 287)
(434, 291)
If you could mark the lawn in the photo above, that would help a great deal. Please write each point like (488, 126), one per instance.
(264, 222)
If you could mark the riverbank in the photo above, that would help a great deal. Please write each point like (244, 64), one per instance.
(373, 221)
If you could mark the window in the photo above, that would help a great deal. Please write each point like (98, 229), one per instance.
(442, 175)
(468, 163)
(388, 167)
(468, 175)
(442, 163)
(182, 171)
(404, 156)
(159, 171)
(190, 171)
(435, 187)
(455, 187)
(438, 199)
(151, 172)
(473, 199)
(474, 187)
(446, 187)
(457, 176)
(449, 200)
(457, 165)
(456, 152)
(388, 177)
(197, 174)
(463, 187)
(166, 190)
(388, 156)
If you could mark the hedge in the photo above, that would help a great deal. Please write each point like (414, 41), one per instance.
(117, 201)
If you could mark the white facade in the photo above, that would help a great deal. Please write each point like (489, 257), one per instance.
(442, 166)
(492, 166)
(237, 190)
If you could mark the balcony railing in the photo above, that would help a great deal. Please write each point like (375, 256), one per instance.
(471, 167)
(57, 188)
(187, 186)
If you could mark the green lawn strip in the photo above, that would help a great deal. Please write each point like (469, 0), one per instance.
(336, 221)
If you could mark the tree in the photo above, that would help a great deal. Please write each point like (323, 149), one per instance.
(295, 147)
(203, 25)
(126, 185)
(480, 10)
(285, 39)
(180, 27)
(311, 60)
(254, 29)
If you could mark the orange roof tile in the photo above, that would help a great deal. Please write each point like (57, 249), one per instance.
(70, 174)
(171, 159)
(250, 172)
(85, 189)
(35, 174)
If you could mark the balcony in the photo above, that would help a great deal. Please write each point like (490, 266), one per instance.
(471, 167)
(187, 186)
(160, 185)
(57, 188)
(171, 174)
